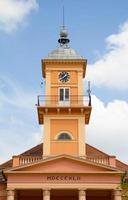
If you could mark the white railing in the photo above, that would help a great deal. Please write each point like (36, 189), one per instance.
(99, 160)
(73, 100)
(23, 160)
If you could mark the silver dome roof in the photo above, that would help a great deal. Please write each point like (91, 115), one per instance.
(64, 52)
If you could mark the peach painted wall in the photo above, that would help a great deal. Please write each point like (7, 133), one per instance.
(72, 83)
(71, 167)
(43, 178)
(64, 165)
(67, 147)
(58, 125)
(67, 66)
(54, 91)
(74, 91)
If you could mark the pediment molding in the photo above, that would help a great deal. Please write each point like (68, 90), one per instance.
(96, 167)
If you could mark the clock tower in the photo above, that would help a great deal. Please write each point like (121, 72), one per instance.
(64, 110)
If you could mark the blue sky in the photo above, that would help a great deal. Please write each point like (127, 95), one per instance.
(29, 30)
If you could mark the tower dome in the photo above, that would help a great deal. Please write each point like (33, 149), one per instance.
(64, 51)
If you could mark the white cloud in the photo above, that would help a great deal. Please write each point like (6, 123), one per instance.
(12, 94)
(108, 127)
(111, 70)
(14, 141)
(38, 137)
(14, 12)
(19, 129)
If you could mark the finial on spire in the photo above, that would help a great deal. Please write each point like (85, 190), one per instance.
(63, 33)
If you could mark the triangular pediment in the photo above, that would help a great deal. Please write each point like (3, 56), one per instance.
(64, 164)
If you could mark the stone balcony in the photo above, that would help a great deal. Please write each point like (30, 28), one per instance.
(48, 105)
(56, 101)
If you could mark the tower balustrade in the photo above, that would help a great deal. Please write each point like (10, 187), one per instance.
(56, 101)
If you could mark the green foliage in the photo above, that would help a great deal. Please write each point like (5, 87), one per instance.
(124, 181)
(124, 186)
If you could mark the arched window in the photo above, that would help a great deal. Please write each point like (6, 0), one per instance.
(64, 136)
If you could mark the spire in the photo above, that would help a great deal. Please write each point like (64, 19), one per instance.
(63, 40)
(63, 18)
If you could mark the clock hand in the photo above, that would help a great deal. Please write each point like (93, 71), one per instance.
(64, 76)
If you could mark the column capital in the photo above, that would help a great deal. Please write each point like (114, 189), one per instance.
(46, 192)
(46, 189)
(117, 192)
(10, 192)
(82, 189)
(82, 192)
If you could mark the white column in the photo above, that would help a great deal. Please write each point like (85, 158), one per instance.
(10, 195)
(46, 194)
(82, 195)
(117, 194)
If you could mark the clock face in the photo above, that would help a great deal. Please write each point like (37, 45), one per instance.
(64, 76)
